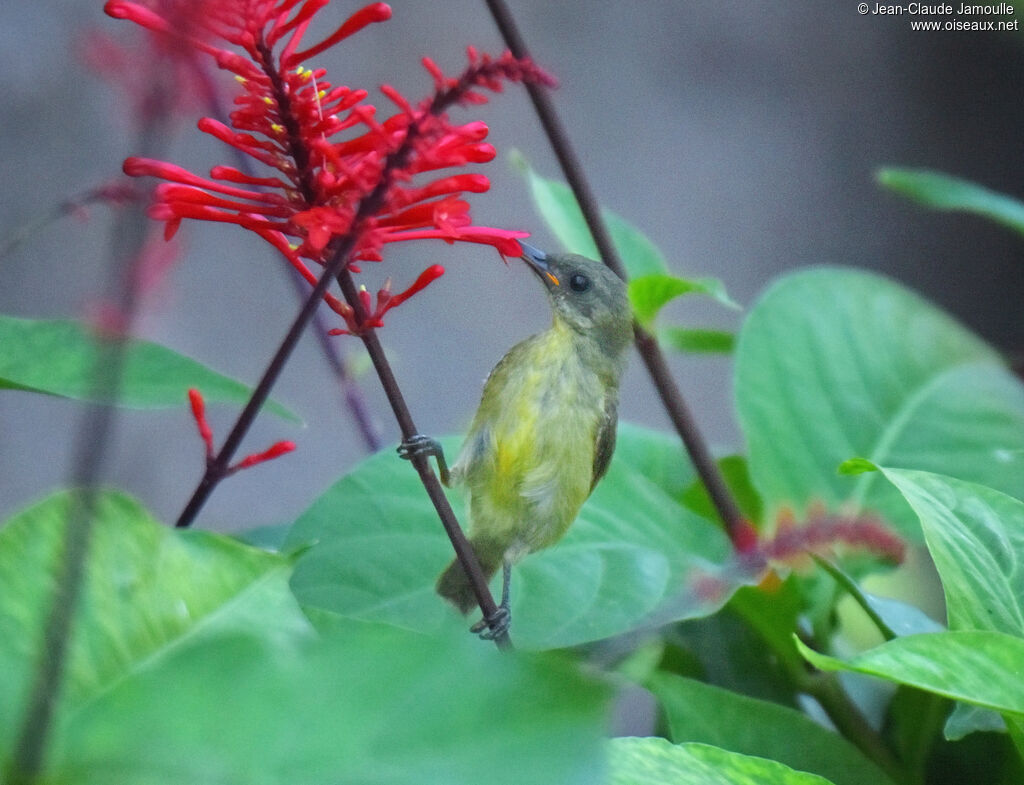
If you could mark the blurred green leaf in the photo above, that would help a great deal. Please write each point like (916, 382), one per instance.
(191, 662)
(147, 588)
(650, 293)
(698, 712)
(655, 761)
(772, 613)
(976, 666)
(966, 719)
(633, 551)
(695, 340)
(852, 466)
(833, 363)
(556, 204)
(379, 705)
(944, 192)
(58, 357)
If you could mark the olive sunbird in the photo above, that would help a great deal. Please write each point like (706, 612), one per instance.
(544, 432)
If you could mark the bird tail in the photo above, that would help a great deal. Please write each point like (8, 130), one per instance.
(453, 584)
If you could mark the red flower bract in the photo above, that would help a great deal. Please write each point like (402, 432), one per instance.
(326, 143)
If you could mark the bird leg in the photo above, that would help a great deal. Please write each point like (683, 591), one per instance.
(424, 446)
(497, 624)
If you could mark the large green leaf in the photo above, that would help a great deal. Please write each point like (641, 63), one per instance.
(976, 539)
(635, 550)
(146, 589)
(191, 662)
(654, 761)
(698, 712)
(943, 192)
(374, 705)
(833, 363)
(557, 205)
(59, 357)
(975, 666)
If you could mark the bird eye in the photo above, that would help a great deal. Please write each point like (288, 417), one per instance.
(579, 282)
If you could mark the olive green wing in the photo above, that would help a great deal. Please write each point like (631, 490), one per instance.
(604, 444)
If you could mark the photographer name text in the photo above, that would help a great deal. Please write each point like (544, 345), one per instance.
(940, 9)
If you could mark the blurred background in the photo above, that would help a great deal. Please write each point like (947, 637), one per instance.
(743, 137)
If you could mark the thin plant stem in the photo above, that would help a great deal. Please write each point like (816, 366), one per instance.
(646, 344)
(91, 453)
(851, 587)
(849, 721)
(217, 468)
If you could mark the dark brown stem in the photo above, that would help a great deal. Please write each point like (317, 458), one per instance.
(646, 344)
(463, 551)
(216, 469)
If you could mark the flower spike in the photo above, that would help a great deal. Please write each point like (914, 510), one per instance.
(329, 148)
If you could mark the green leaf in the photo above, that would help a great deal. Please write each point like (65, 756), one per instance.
(966, 719)
(943, 192)
(650, 293)
(633, 552)
(58, 357)
(772, 614)
(975, 666)
(191, 662)
(147, 588)
(833, 363)
(654, 761)
(698, 712)
(377, 705)
(557, 205)
(976, 538)
(694, 340)
(853, 466)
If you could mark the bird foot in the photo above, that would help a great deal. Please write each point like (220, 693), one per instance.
(495, 625)
(419, 445)
(422, 446)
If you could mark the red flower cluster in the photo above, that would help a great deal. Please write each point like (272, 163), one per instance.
(329, 149)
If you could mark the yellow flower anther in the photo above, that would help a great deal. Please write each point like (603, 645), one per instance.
(277, 128)
(240, 79)
(268, 100)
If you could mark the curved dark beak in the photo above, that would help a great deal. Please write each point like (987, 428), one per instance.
(538, 262)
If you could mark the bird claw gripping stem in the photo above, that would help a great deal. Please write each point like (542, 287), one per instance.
(497, 624)
(423, 446)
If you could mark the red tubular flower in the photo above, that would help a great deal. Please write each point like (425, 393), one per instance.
(195, 399)
(328, 146)
(198, 405)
